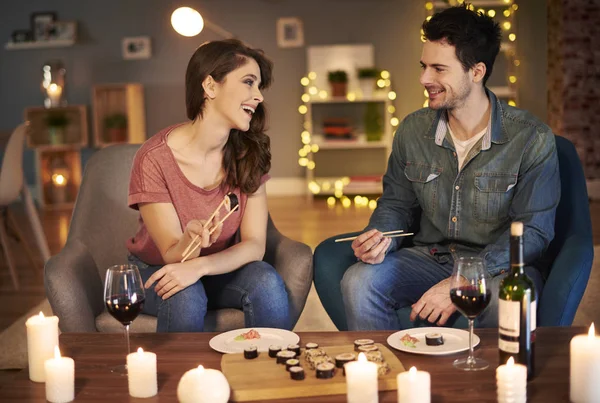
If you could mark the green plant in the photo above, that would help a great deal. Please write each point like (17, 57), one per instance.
(337, 76)
(56, 119)
(368, 72)
(115, 121)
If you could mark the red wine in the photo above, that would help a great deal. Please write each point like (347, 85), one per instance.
(469, 300)
(123, 309)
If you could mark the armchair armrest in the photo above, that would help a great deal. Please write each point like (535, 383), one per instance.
(567, 282)
(74, 288)
(293, 261)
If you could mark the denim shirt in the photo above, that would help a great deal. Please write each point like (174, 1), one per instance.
(510, 174)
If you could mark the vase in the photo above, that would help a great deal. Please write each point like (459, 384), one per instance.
(367, 86)
(338, 89)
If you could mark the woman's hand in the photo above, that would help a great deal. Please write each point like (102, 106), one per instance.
(172, 278)
(198, 228)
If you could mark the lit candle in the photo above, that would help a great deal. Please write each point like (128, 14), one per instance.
(54, 92)
(60, 378)
(585, 367)
(42, 336)
(414, 386)
(511, 382)
(361, 381)
(203, 385)
(141, 373)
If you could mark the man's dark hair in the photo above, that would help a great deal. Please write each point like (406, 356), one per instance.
(475, 36)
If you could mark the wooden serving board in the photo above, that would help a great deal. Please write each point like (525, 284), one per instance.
(262, 378)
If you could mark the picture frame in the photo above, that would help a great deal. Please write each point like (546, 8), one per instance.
(21, 35)
(64, 30)
(42, 25)
(136, 47)
(290, 32)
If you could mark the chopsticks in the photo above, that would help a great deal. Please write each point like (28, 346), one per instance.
(187, 250)
(388, 234)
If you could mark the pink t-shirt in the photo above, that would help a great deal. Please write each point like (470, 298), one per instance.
(157, 178)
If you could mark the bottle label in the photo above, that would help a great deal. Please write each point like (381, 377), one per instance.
(509, 315)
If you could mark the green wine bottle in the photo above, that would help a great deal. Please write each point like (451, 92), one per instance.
(517, 308)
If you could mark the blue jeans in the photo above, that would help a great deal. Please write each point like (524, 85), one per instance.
(373, 293)
(256, 288)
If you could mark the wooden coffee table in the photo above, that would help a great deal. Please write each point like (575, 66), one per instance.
(95, 353)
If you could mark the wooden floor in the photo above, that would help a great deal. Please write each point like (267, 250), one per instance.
(293, 216)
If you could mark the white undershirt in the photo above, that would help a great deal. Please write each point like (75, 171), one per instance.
(464, 146)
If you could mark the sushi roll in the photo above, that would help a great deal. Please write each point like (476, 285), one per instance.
(292, 362)
(285, 355)
(368, 348)
(362, 342)
(250, 352)
(273, 350)
(231, 201)
(345, 358)
(297, 373)
(310, 346)
(325, 370)
(434, 339)
(374, 356)
(295, 348)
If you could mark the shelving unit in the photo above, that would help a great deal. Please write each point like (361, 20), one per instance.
(123, 100)
(54, 43)
(57, 157)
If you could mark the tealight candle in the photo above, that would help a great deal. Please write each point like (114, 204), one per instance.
(203, 385)
(585, 367)
(511, 382)
(414, 386)
(361, 381)
(141, 373)
(60, 378)
(42, 337)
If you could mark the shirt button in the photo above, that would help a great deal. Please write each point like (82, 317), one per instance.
(502, 271)
(454, 154)
(454, 219)
(456, 187)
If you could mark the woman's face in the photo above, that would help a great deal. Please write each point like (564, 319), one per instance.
(237, 96)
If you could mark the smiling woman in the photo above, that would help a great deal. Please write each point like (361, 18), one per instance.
(179, 179)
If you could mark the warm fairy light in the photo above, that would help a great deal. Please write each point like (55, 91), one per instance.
(388, 82)
(372, 204)
(515, 7)
(302, 153)
(314, 187)
(428, 18)
(330, 201)
(313, 91)
(512, 79)
(492, 13)
(357, 199)
(426, 93)
(385, 74)
(346, 202)
(187, 22)
(507, 25)
(507, 1)
(517, 63)
(305, 97)
(306, 140)
(326, 185)
(592, 332)
(304, 81)
(394, 121)
(512, 37)
(312, 75)
(322, 94)
(381, 83)
(391, 109)
(346, 180)
(351, 96)
(506, 13)
(311, 165)
(392, 95)
(338, 193)
(303, 162)
(481, 11)
(512, 103)
(429, 6)
(302, 109)
(306, 148)
(338, 185)
(426, 103)
(314, 148)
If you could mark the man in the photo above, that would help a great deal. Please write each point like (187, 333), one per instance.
(471, 164)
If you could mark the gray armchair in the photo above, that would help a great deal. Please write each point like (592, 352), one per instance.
(100, 225)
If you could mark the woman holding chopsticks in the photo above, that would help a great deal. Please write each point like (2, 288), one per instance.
(186, 181)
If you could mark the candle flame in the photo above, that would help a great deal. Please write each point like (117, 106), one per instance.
(200, 368)
(140, 351)
(362, 357)
(592, 332)
(412, 371)
(56, 352)
(510, 362)
(41, 315)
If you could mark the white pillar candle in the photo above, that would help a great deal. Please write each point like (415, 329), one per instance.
(414, 386)
(511, 382)
(585, 368)
(203, 385)
(361, 381)
(141, 373)
(42, 336)
(60, 378)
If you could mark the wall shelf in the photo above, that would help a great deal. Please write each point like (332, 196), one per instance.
(54, 43)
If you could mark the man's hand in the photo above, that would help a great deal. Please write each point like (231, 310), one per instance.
(371, 246)
(172, 278)
(434, 304)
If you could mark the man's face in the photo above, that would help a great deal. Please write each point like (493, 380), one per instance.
(443, 76)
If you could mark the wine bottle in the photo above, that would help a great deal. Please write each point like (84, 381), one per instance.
(517, 308)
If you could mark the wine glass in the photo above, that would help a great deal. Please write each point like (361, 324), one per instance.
(124, 297)
(470, 292)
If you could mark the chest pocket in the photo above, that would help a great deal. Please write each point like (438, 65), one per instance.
(424, 179)
(493, 195)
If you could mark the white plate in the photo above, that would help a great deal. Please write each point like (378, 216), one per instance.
(455, 341)
(226, 343)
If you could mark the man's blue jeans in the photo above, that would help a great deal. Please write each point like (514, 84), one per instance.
(373, 293)
(256, 288)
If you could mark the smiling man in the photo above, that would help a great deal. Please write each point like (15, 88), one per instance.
(465, 168)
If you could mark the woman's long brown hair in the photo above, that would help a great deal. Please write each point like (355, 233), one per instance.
(247, 155)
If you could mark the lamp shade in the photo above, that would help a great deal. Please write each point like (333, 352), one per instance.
(186, 21)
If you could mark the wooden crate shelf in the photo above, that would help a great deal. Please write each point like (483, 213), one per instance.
(59, 176)
(75, 133)
(123, 102)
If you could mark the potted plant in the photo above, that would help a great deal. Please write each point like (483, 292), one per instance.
(367, 77)
(338, 80)
(373, 122)
(115, 127)
(56, 122)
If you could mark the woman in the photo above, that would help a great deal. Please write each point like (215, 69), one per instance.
(182, 174)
